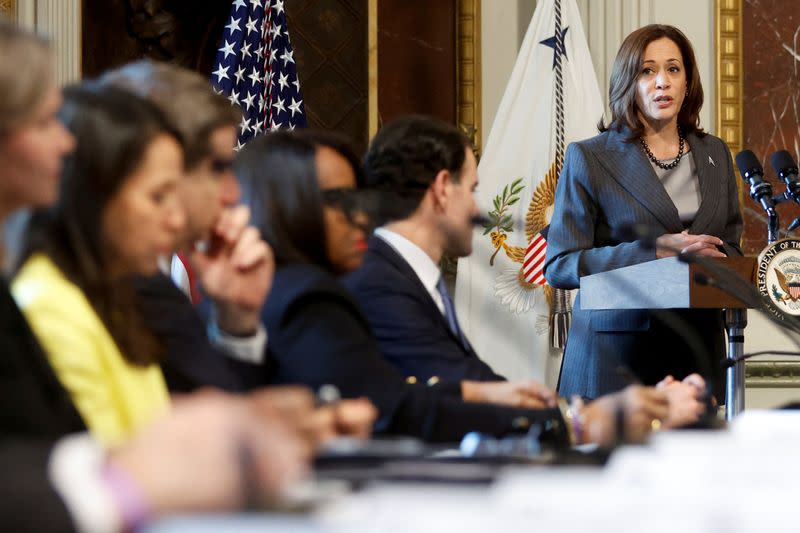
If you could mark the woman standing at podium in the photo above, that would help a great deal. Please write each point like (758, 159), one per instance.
(654, 167)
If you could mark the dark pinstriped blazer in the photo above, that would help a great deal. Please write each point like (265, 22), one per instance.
(606, 184)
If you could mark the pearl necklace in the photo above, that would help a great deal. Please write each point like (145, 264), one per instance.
(659, 164)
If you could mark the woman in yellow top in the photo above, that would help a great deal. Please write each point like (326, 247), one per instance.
(117, 212)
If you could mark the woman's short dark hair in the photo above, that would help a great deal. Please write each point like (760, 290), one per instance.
(406, 155)
(113, 129)
(626, 70)
(278, 178)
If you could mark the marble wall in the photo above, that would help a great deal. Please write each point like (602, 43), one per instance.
(771, 92)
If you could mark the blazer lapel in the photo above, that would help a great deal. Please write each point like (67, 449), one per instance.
(628, 165)
(383, 249)
(710, 175)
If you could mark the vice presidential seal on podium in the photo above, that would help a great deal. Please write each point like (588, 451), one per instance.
(778, 277)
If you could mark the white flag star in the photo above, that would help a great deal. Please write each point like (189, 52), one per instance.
(234, 97)
(275, 125)
(295, 106)
(296, 83)
(239, 74)
(287, 57)
(251, 25)
(262, 102)
(248, 100)
(239, 146)
(221, 73)
(227, 49)
(279, 105)
(254, 76)
(246, 50)
(278, 6)
(257, 128)
(238, 4)
(255, 3)
(283, 80)
(260, 51)
(275, 31)
(245, 125)
(234, 25)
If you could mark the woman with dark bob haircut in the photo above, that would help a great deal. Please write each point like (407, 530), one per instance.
(116, 213)
(652, 166)
(301, 189)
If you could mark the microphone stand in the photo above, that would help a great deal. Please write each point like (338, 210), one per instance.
(735, 322)
(773, 225)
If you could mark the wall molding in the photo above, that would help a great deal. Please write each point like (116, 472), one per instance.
(468, 70)
(372, 67)
(59, 20)
(8, 8)
(772, 374)
(728, 37)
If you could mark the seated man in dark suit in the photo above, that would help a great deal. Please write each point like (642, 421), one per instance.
(399, 284)
(424, 174)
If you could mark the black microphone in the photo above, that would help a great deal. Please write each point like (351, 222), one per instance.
(786, 169)
(760, 190)
(753, 174)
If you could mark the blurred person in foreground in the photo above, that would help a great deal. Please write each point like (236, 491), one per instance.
(188, 459)
(116, 212)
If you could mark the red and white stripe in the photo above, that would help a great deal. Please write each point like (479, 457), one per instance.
(533, 266)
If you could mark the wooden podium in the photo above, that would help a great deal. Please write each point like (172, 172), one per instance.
(670, 284)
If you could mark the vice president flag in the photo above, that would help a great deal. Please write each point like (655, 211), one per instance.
(551, 99)
(255, 69)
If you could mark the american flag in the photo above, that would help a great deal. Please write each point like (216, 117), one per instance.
(532, 267)
(255, 69)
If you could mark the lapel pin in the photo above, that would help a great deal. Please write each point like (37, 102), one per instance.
(711, 161)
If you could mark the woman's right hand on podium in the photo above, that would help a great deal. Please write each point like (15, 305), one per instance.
(670, 244)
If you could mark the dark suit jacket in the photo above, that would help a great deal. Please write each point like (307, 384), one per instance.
(191, 359)
(32, 400)
(411, 332)
(318, 335)
(608, 184)
(27, 501)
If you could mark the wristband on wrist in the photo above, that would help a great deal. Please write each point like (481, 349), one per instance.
(576, 409)
(571, 412)
(131, 503)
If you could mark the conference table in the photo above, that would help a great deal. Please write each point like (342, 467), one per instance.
(739, 479)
